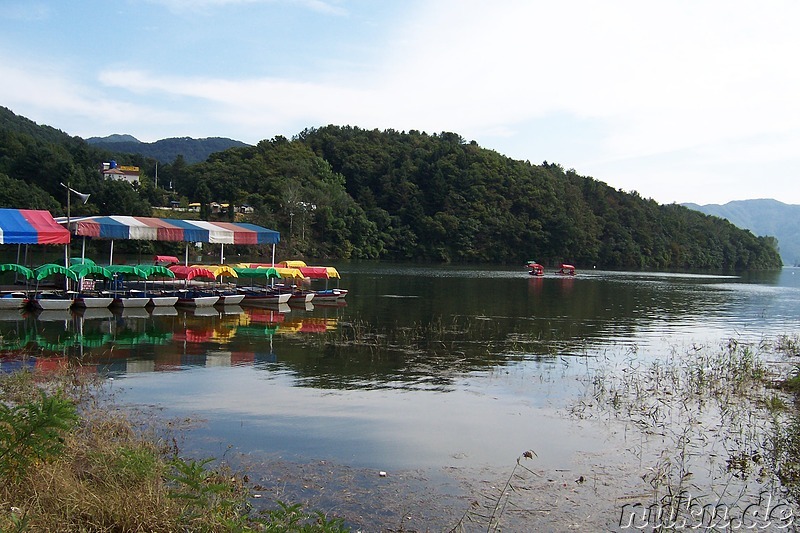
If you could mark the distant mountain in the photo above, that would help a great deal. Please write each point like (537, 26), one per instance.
(763, 217)
(166, 150)
(115, 138)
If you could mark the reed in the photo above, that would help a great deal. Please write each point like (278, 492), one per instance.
(713, 420)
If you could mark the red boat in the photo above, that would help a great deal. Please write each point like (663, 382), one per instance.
(535, 268)
(567, 270)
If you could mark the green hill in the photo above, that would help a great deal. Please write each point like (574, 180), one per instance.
(345, 192)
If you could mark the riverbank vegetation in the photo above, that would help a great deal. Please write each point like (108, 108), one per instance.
(345, 192)
(710, 425)
(71, 461)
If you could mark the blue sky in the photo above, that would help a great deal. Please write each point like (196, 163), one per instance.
(681, 101)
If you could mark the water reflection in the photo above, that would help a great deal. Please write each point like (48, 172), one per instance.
(420, 327)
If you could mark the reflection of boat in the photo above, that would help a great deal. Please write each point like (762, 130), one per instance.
(7, 315)
(208, 310)
(164, 311)
(53, 315)
(231, 309)
(52, 300)
(90, 313)
(13, 300)
(131, 312)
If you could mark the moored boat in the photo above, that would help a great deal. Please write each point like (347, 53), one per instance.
(229, 297)
(196, 298)
(261, 296)
(13, 300)
(131, 299)
(93, 299)
(52, 301)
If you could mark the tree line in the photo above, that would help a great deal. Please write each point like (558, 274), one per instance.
(345, 192)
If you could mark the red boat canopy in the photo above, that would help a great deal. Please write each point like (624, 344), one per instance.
(169, 259)
(186, 272)
(28, 226)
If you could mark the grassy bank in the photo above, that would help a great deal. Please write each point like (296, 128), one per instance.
(71, 461)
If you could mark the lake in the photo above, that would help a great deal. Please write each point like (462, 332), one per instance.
(439, 377)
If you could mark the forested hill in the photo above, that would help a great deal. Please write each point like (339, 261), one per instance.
(386, 194)
(352, 193)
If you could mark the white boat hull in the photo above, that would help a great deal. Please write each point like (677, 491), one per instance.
(13, 302)
(93, 302)
(53, 304)
(164, 301)
(199, 301)
(132, 302)
(231, 299)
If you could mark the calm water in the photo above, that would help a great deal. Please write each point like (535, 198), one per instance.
(424, 368)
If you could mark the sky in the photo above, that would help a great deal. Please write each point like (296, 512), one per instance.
(681, 101)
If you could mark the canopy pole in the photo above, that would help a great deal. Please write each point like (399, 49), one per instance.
(111, 253)
(186, 255)
(222, 253)
(83, 250)
(273, 255)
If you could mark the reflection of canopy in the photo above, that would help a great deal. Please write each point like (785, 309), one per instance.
(27, 226)
(167, 229)
(50, 269)
(13, 267)
(187, 272)
(257, 315)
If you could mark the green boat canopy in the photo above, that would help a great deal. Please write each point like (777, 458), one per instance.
(83, 270)
(265, 273)
(126, 269)
(156, 270)
(13, 267)
(51, 269)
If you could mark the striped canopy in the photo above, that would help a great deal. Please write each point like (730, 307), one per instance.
(168, 229)
(28, 226)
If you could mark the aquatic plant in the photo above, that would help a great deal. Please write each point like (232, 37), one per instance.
(711, 420)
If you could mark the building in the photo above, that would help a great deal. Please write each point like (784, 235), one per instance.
(126, 173)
